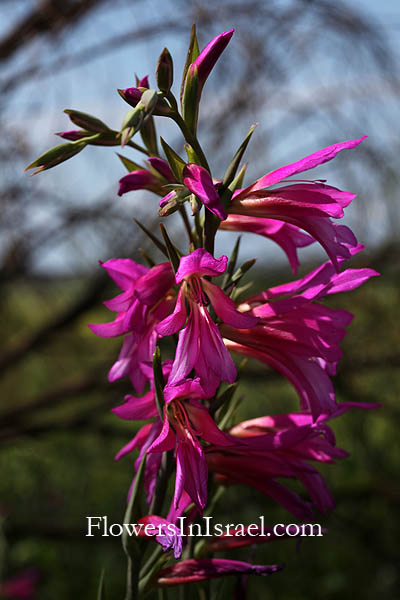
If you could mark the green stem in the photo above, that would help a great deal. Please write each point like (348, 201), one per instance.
(191, 139)
(139, 148)
(186, 222)
(210, 229)
(162, 483)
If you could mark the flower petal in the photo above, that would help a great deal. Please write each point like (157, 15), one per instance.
(304, 164)
(199, 181)
(200, 263)
(225, 308)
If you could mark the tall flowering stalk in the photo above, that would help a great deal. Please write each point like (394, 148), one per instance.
(194, 301)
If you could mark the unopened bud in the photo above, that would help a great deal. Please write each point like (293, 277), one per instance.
(191, 97)
(164, 71)
(56, 155)
(195, 204)
(86, 121)
(110, 138)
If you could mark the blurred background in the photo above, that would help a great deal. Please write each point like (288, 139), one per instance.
(312, 73)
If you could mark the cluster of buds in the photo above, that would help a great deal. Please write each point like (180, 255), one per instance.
(196, 301)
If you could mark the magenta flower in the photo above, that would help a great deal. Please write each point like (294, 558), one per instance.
(146, 299)
(308, 205)
(200, 346)
(298, 337)
(165, 533)
(200, 569)
(199, 181)
(185, 418)
(288, 237)
(142, 441)
(278, 447)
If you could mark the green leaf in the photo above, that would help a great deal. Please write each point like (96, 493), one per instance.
(149, 136)
(238, 181)
(147, 257)
(133, 512)
(192, 54)
(176, 163)
(236, 277)
(191, 154)
(228, 417)
(232, 262)
(173, 253)
(234, 164)
(223, 399)
(153, 238)
(129, 164)
(159, 382)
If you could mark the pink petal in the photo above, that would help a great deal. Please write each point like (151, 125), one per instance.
(137, 180)
(153, 286)
(187, 388)
(137, 408)
(200, 263)
(206, 427)
(137, 442)
(304, 164)
(161, 165)
(176, 320)
(225, 308)
(124, 271)
(166, 440)
(199, 181)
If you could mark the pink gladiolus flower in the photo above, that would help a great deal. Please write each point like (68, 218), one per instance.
(298, 337)
(200, 569)
(308, 205)
(200, 345)
(146, 299)
(198, 180)
(185, 418)
(279, 447)
(288, 237)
